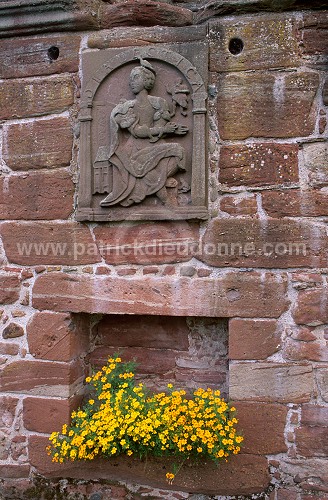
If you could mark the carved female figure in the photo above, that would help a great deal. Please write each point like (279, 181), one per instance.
(141, 159)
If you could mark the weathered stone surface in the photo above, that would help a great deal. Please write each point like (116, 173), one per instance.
(20, 99)
(46, 195)
(263, 426)
(30, 243)
(258, 164)
(312, 441)
(274, 382)
(163, 242)
(29, 56)
(245, 473)
(322, 381)
(41, 378)
(266, 105)
(310, 473)
(272, 243)
(234, 294)
(311, 351)
(9, 288)
(303, 334)
(143, 13)
(143, 331)
(126, 37)
(315, 161)
(295, 203)
(38, 144)
(311, 307)
(12, 331)
(313, 415)
(47, 415)
(7, 411)
(239, 205)
(253, 339)
(54, 336)
(280, 50)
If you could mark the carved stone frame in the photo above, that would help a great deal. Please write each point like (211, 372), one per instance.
(198, 207)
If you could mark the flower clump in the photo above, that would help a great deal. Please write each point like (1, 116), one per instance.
(122, 418)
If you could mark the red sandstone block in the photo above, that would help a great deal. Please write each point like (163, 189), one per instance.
(286, 495)
(263, 426)
(149, 243)
(30, 243)
(249, 105)
(16, 471)
(154, 361)
(38, 144)
(29, 56)
(314, 415)
(258, 164)
(272, 243)
(46, 195)
(295, 203)
(311, 307)
(314, 35)
(157, 332)
(233, 294)
(9, 349)
(41, 378)
(311, 351)
(239, 205)
(9, 288)
(253, 339)
(48, 415)
(312, 441)
(315, 157)
(280, 51)
(55, 336)
(25, 98)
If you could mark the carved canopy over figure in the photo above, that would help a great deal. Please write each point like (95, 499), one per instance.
(140, 158)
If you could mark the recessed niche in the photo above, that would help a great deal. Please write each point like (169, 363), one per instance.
(190, 352)
(236, 46)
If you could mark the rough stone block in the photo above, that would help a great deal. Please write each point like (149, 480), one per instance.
(30, 243)
(310, 473)
(312, 441)
(266, 105)
(46, 195)
(245, 474)
(280, 49)
(54, 336)
(315, 161)
(16, 471)
(8, 406)
(7, 349)
(41, 378)
(273, 382)
(253, 339)
(311, 307)
(295, 203)
(29, 56)
(25, 98)
(12, 331)
(48, 415)
(310, 351)
(160, 243)
(263, 426)
(314, 39)
(9, 288)
(38, 144)
(322, 382)
(239, 205)
(143, 331)
(258, 164)
(234, 294)
(272, 243)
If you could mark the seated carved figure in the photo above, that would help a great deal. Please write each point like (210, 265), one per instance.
(141, 159)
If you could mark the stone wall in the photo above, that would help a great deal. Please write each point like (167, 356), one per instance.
(251, 318)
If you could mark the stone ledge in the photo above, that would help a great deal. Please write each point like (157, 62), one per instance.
(246, 294)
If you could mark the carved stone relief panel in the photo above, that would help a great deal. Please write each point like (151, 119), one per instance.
(143, 133)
